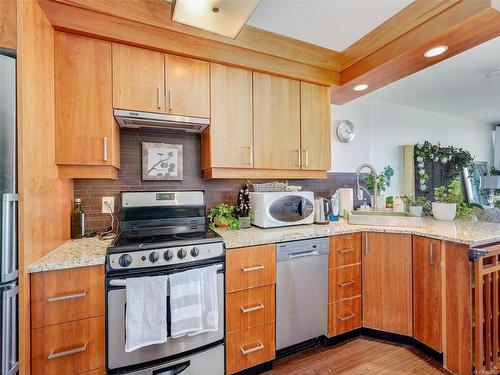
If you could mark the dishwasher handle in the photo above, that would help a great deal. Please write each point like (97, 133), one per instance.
(303, 254)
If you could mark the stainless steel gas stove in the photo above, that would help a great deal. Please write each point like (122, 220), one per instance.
(162, 232)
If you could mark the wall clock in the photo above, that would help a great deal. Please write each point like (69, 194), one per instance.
(345, 131)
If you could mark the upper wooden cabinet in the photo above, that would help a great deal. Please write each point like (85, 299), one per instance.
(87, 137)
(276, 116)
(315, 126)
(8, 24)
(188, 86)
(138, 79)
(387, 282)
(230, 136)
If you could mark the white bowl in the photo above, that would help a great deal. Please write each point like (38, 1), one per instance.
(444, 211)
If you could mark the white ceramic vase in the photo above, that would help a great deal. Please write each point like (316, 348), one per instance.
(444, 211)
(415, 210)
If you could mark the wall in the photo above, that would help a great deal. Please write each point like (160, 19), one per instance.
(382, 128)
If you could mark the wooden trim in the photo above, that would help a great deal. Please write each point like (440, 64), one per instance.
(88, 171)
(8, 24)
(262, 173)
(86, 22)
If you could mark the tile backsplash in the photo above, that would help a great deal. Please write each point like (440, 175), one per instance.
(91, 191)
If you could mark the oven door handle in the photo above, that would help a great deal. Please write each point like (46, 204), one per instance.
(173, 370)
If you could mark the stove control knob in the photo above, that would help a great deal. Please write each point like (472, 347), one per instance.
(195, 252)
(167, 255)
(125, 260)
(153, 257)
(181, 253)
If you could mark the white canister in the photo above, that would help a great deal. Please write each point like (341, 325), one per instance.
(346, 201)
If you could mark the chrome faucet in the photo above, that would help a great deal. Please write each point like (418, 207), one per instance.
(359, 188)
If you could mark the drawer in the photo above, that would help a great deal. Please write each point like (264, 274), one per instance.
(344, 250)
(250, 347)
(68, 348)
(344, 282)
(249, 267)
(66, 295)
(250, 307)
(344, 316)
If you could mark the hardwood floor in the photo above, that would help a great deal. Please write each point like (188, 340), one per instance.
(359, 356)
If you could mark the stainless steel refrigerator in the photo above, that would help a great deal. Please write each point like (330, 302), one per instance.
(8, 214)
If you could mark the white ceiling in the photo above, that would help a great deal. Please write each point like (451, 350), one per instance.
(457, 86)
(333, 24)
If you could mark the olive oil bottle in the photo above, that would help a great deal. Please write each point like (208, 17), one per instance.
(77, 220)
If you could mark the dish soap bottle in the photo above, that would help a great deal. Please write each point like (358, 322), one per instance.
(77, 220)
(334, 214)
(398, 205)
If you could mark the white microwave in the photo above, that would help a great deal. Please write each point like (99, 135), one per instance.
(278, 209)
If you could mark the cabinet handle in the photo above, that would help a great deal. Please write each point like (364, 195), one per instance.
(63, 297)
(431, 253)
(306, 158)
(298, 158)
(347, 283)
(158, 97)
(348, 250)
(347, 317)
(258, 346)
(170, 99)
(250, 155)
(366, 244)
(105, 145)
(257, 267)
(56, 354)
(246, 310)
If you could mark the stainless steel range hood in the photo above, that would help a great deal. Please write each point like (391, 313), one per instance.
(135, 119)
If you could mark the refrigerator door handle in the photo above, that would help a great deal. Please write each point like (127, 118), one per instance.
(9, 237)
(9, 363)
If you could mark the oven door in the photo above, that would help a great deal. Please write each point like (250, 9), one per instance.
(116, 308)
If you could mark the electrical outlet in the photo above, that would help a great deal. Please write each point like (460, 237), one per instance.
(107, 204)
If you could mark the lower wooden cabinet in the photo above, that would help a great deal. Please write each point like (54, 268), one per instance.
(344, 316)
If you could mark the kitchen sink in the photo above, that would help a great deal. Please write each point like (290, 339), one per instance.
(385, 218)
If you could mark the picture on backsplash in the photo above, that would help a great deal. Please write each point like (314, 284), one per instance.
(161, 161)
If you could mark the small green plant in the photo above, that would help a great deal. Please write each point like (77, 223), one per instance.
(383, 180)
(224, 215)
(412, 201)
(453, 194)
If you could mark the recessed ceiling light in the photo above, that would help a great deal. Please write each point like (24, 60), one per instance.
(360, 87)
(436, 51)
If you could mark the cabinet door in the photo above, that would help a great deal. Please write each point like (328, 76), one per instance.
(427, 291)
(231, 137)
(276, 115)
(138, 79)
(315, 126)
(188, 86)
(387, 282)
(86, 132)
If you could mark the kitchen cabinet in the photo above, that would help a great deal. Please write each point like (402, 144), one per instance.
(228, 141)
(87, 137)
(188, 86)
(315, 125)
(387, 282)
(276, 117)
(427, 292)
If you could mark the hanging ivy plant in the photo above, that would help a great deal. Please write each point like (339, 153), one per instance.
(453, 159)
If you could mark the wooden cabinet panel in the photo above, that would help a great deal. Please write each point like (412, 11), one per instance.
(276, 116)
(345, 250)
(249, 347)
(99, 371)
(249, 308)
(8, 24)
(86, 133)
(315, 126)
(250, 267)
(138, 79)
(66, 295)
(427, 292)
(387, 282)
(188, 86)
(230, 130)
(344, 316)
(68, 348)
(344, 282)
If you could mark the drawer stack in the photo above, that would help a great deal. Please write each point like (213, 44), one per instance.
(250, 307)
(344, 284)
(67, 321)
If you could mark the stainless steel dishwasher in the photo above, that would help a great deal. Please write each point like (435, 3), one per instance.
(301, 291)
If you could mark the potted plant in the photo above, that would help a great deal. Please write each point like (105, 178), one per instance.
(243, 207)
(415, 204)
(383, 180)
(224, 215)
(446, 199)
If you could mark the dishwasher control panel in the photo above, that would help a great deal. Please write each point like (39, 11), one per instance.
(302, 248)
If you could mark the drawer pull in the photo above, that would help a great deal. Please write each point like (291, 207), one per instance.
(65, 353)
(246, 310)
(253, 268)
(348, 250)
(63, 297)
(347, 317)
(256, 348)
(347, 283)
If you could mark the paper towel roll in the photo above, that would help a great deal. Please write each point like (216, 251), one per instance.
(346, 198)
